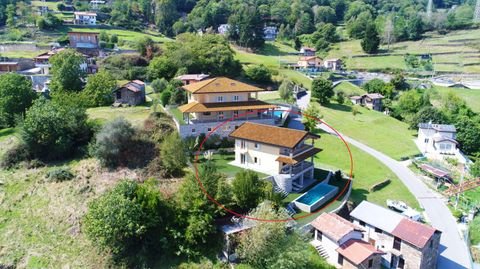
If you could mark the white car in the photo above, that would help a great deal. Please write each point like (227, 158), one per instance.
(397, 205)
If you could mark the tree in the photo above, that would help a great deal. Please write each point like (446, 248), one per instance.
(312, 120)
(325, 14)
(10, 15)
(159, 84)
(246, 27)
(475, 168)
(55, 129)
(371, 41)
(468, 134)
(16, 96)
(99, 89)
(340, 97)
(130, 221)
(399, 83)
(409, 103)
(173, 153)
(161, 67)
(165, 97)
(259, 74)
(388, 36)
(286, 91)
(427, 114)
(145, 46)
(165, 15)
(247, 189)
(298, 43)
(66, 72)
(112, 141)
(322, 90)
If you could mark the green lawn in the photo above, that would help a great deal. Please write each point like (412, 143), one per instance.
(373, 128)
(177, 114)
(22, 54)
(136, 115)
(222, 161)
(126, 35)
(52, 5)
(349, 89)
(367, 171)
(472, 97)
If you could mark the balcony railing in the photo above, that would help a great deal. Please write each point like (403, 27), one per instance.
(296, 152)
(264, 117)
(302, 167)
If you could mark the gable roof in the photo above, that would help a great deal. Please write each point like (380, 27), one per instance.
(134, 86)
(357, 251)
(334, 226)
(413, 232)
(197, 77)
(272, 135)
(438, 127)
(220, 85)
(308, 58)
(374, 95)
(377, 216)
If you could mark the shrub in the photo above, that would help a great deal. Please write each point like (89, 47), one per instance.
(259, 74)
(247, 189)
(60, 174)
(159, 84)
(165, 97)
(13, 156)
(174, 157)
(380, 185)
(112, 141)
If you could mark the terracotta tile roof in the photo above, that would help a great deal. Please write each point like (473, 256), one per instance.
(272, 135)
(357, 251)
(413, 232)
(334, 226)
(308, 58)
(193, 107)
(139, 82)
(219, 85)
(299, 158)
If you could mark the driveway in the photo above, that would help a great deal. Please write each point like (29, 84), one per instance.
(454, 253)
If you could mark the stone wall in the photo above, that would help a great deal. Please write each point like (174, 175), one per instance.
(223, 130)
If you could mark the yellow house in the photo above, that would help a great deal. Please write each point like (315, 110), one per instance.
(224, 103)
(276, 151)
(310, 62)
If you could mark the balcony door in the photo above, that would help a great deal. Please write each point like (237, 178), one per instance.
(243, 158)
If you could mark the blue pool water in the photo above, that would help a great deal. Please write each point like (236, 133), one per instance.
(278, 114)
(315, 194)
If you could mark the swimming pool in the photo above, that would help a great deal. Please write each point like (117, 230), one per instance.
(316, 197)
(278, 113)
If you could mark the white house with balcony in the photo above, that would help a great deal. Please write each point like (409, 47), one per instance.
(438, 141)
(85, 18)
(222, 105)
(280, 152)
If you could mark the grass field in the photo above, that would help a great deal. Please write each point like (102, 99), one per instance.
(126, 35)
(135, 115)
(373, 128)
(22, 54)
(52, 5)
(349, 89)
(472, 97)
(222, 162)
(367, 171)
(463, 52)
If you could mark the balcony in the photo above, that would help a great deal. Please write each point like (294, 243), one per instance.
(252, 118)
(298, 151)
(298, 169)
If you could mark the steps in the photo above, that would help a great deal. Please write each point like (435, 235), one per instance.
(321, 251)
(279, 190)
(291, 210)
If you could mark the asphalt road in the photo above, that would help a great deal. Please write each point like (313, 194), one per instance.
(454, 253)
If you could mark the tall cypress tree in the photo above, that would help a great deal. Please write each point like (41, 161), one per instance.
(370, 41)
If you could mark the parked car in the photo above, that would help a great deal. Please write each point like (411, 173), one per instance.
(397, 205)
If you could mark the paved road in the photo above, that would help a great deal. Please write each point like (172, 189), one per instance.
(454, 253)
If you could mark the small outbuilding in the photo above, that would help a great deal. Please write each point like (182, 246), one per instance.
(131, 93)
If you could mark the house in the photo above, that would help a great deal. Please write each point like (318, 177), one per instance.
(192, 78)
(371, 100)
(85, 18)
(40, 83)
(276, 151)
(333, 64)
(223, 29)
(213, 101)
(310, 62)
(270, 33)
(131, 93)
(96, 3)
(340, 243)
(406, 243)
(437, 141)
(87, 40)
(306, 51)
(9, 67)
(42, 62)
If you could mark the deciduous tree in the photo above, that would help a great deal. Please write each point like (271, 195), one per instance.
(322, 90)
(99, 89)
(66, 72)
(16, 95)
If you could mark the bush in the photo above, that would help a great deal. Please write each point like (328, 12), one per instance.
(13, 156)
(159, 84)
(259, 74)
(60, 174)
(165, 97)
(174, 157)
(380, 185)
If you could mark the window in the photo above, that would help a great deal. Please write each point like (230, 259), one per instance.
(257, 146)
(401, 263)
(219, 98)
(220, 115)
(319, 235)
(377, 230)
(426, 140)
(431, 244)
(340, 259)
(362, 223)
(209, 129)
(193, 130)
(370, 263)
(119, 94)
(242, 158)
(207, 113)
(235, 113)
(397, 242)
(236, 98)
(255, 160)
(242, 144)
